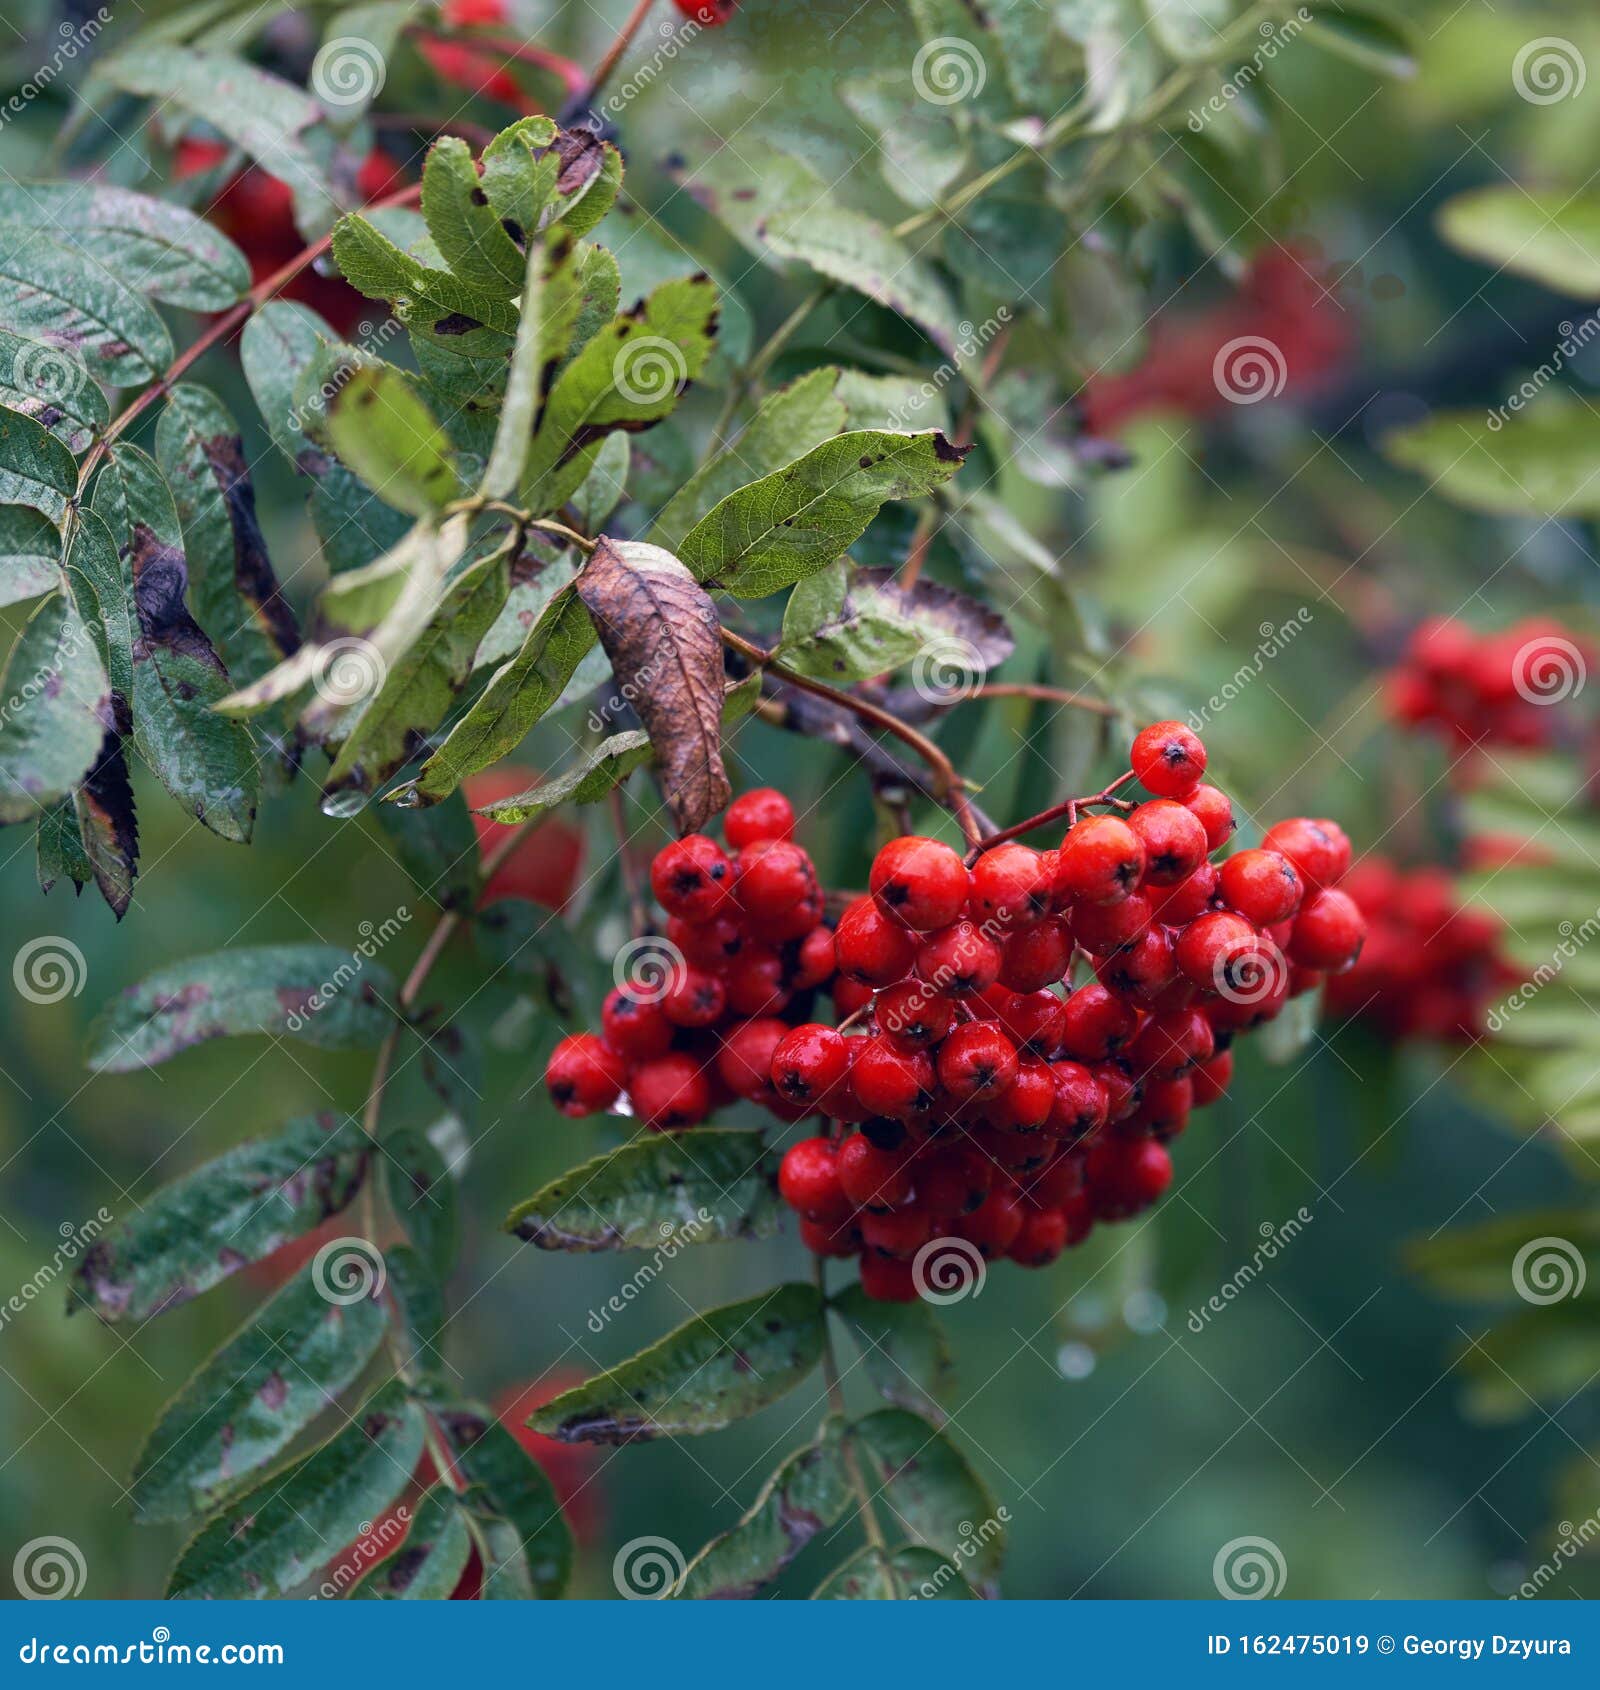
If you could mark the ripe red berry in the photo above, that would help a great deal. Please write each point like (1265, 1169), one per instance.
(976, 1061)
(1033, 1020)
(892, 1082)
(1214, 809)
(1096, 1023)
(1103, 928)
(960, 960)
(953, 1180)
(1101, 860)
(1165, 1111)
(884, 1278)
(1037, 956)
(1168, 759)
(849, 996)
(899, 1232)
(670, 1093)
(692, 878)
(694, 998)
(778, 890)
(1210, 1079)
(1041, 1239)
(1328, 932)
(873, 947)
(707, 944)
(584, 1075)
(1319, 850)
(633, 1027)
(1126, 1175)
(821, 1239)
(807, 1062)
(920, 882)
(1024, 1106)
(709, 14)
(1174, 840)
(744, 1059)
(1261, 885)
(1080, 1106)
(1178, 905)
(1009, 886)
(814, 960)
(1208, 947)
(1170, 1044)
(994, 1225)
(756, 982)
(808, 1181)
(1143, 970)
(761, 814)
(912, 1015)
(873, 1178)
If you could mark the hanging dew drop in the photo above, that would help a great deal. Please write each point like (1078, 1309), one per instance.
(343, 805)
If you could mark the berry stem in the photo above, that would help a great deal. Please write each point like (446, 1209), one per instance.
(949, 786)
(613, 53)
(852, 1458)
(1069, 808)
(1048, 695)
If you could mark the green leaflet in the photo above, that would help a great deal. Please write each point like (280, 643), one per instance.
(318, 993)
(518, 694)
(789, 423)
(903, 1349)
(716, 1368)
(519, 174)
(432, 1558)
(413, 1290)
(53, 387)
(905, 1574)
(790, 524)
(423, 297)
(1366, 36)
(245, 1405)
(1552, 237)
(519, 1514)
(1478, 1263)
(421, 1192)
(523, 388)
(921, 150)
(35, 468)
(58, 710)
(703, 1186)
(163, 251)
(48, 293)
(383, 430)
(232, 1211)
(807, 1494)
(30, 554)
(465, 226)
(276, 1537)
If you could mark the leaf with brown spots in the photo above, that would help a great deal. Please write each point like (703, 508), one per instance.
(429, 1563)
(526, 1537)
(660, 630)
(714, 1369)
(94, 833)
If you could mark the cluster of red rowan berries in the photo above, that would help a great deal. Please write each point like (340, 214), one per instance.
(1431, 968)
(745, 951)
(968, 1097)
(1493, 688)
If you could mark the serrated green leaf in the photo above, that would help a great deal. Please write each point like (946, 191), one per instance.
(903, 1348)
(383, 430)
(53, 387)
(508, 1488)
(1552, 237)
(519, 174)
(251, 1398)
(58, 710)
(807, 1494)
(237, 1209)
(429, 1563)
(93, 834)
(704, 1186)
(714, 1369)
(786, 526)
(524, 387)
(161, 250)
(36, 470)
(1478, 1263)
(30, 554)
(465, 226)
(899, 1575)
(276, 1537)
(423, 297)
(318, 993)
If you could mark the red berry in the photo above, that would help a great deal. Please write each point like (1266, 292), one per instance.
(744, 1060)
(708, 944)
(815, 960)
(808, 1181)
(920, 882)
(584, 1075)
(1261, 885)
(633, 1027)
(873, 947)
(1164, 1113)
(1141, 971)
(1103, 928)
(1080, 1106)
(709, 14)
(692, 878)
(977, 1061)
(899, 1233)
(1009, 886)
(1037, 956)
(821, 1239)
(994, 1225)
(1208, 947)
(1041, 1239)
(1319, 850)
(670, 1093)
(1178, 905)
(756, 982)
(694, 998)
(1025, 1105)
(1126, 1175)
(960, 960)
(1101, 860)
(1214, 809)
(953, 1180)
(1174, 840)
(883, 1278)
(849, 996)
(892, 1082)
(873, 1178)
(762, 814)
(1034, 1020)
(1170, 1044)
(1328, 932)
(912, 1015)
(1210, 1079)
(778, 890)
(1096, 1023)
(808, 1061)
(1168, 759)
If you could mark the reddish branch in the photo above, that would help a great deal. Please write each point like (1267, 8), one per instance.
(1068, 808)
